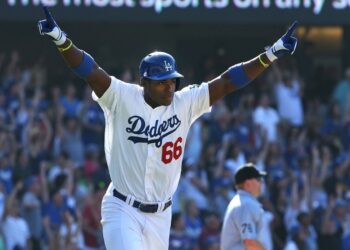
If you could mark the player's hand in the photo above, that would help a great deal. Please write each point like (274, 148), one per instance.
(286, 45)
(50, 28)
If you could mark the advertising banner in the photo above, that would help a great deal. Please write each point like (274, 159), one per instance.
(323, 12)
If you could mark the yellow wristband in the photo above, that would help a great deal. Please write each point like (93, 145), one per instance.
(265, 65)
(66, 48)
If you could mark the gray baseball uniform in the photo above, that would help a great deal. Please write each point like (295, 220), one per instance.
(243, 220)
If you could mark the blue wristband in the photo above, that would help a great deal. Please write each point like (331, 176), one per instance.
(84, 69)
(238, 77)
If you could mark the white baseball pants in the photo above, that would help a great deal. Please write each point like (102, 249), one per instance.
(128, 228)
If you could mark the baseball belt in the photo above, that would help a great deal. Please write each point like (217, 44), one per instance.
(146, 208)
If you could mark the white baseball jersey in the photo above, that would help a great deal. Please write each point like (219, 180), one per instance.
(144, 146)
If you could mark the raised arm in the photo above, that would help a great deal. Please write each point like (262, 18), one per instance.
(241, 74)
(78, 60)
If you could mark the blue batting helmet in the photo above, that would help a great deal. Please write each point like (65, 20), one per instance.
(159, 66)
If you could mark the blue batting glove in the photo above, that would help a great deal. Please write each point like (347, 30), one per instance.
(286, 45)
(50, 28)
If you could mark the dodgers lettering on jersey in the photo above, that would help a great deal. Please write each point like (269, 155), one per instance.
(143, 145)
(157, 132)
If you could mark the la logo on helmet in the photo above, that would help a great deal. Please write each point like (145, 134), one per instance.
(168, 66)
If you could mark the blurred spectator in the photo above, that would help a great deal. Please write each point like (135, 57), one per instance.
(288, 96)
(70, 234)
(194, 185)
(22, 169)
(346, 225)
(265, 234)
(330, 232)
(321, 162)
(242, 130)
(234, 156)
(305, 233)
(178, 235)
(341, 92)
(93, 122)
(275, 163)
(54, 109)
(68, 139)
(335, 183)
(6, 172)
(60, 166)
(14, 227)
(219, 125)
(223, 193)
(91, 164)
(193, 222)
(7, 140)
(211, 230)
(333, 124)
(54, 208)
(194, 142)
(299, 201)
(92, 229)
(209, 161)
(213, 244)
(279, 229)
(31, 206)
(38, 136)
(266, 118)
(342, 219)
(221, 175)
(70, 103)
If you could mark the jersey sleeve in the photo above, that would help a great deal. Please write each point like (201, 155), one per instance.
(245, 219)
(110, 99)
(197, 99)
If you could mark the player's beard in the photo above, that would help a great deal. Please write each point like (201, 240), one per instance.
(168, 98)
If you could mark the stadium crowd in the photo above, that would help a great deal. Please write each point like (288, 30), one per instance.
(53, 172)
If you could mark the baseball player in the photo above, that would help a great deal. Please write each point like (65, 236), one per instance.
(146, 130)
(243, 217)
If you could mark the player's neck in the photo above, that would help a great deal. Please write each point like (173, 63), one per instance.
(150, 102)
